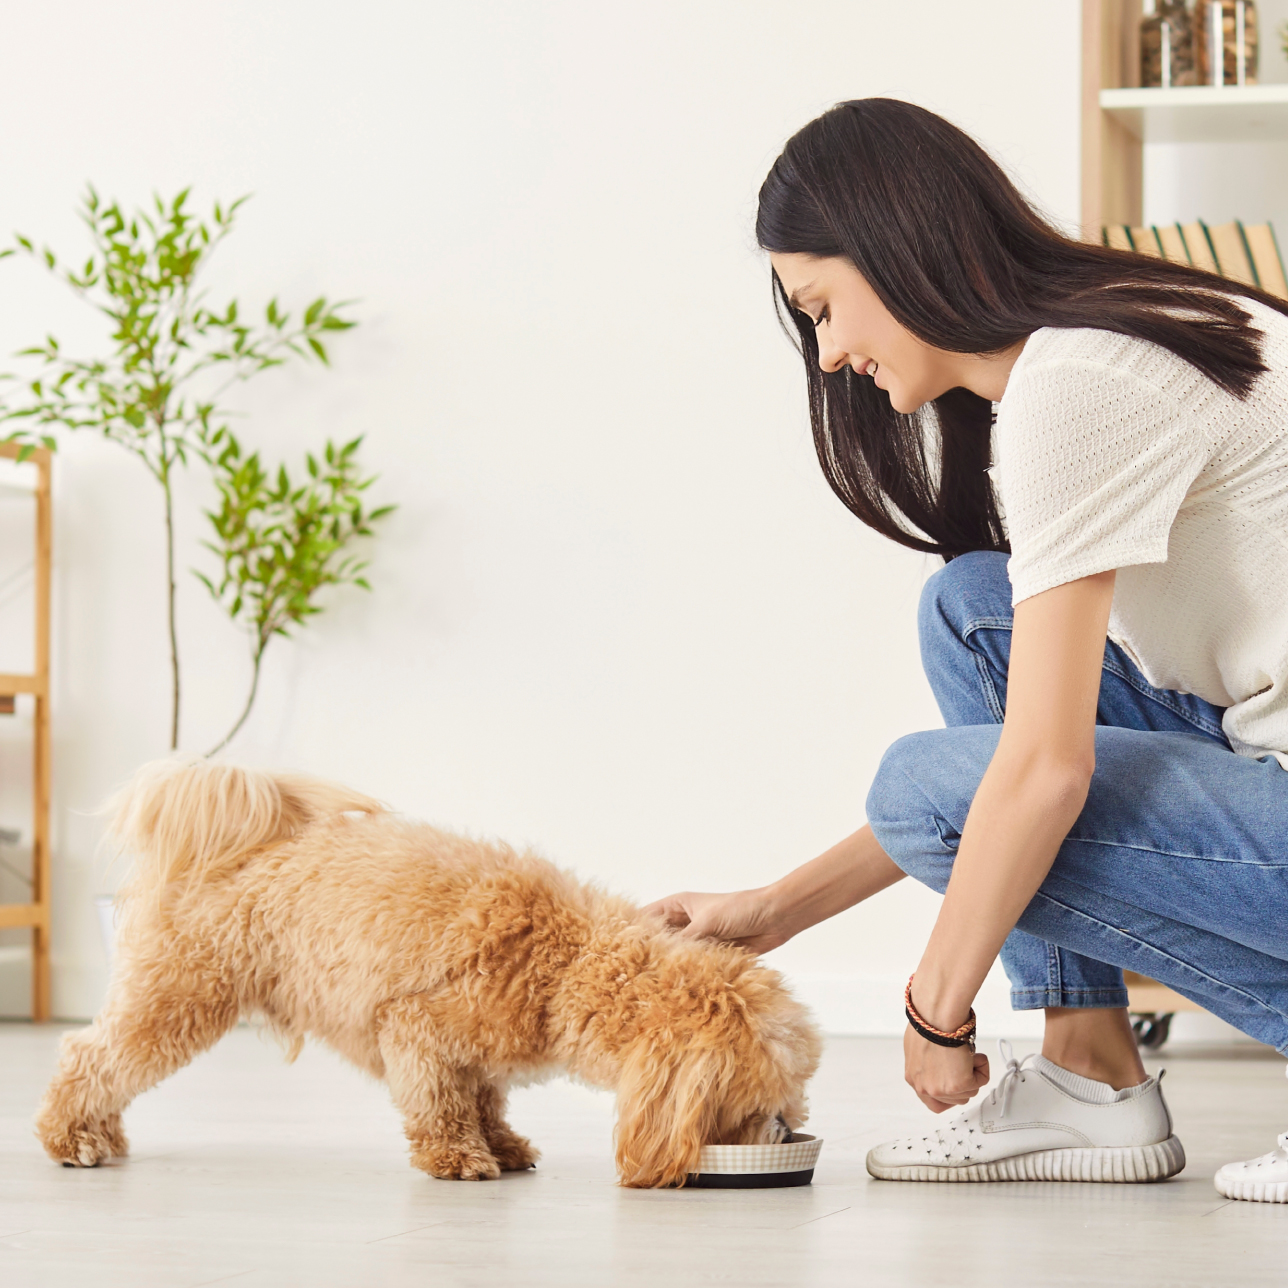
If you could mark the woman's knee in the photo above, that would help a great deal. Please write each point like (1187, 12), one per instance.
(922, 791)
(973, 587)
(901, 814)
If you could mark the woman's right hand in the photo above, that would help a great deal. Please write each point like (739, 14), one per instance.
(759, 920)
(746, 918)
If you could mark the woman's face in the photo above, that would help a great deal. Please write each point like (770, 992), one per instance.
(854, 327)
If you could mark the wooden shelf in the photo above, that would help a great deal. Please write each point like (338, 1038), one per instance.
(35, 915)
(10, 684)
(16, 915)
(1116, 122)
(1201, 113)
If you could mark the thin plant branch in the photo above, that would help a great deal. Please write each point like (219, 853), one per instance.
(156, 392)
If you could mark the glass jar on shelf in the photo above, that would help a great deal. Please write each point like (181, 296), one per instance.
(1168, 45)
(1227, 41)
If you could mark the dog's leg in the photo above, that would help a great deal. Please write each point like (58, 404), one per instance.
(513, 1152)
(437, 1095)
(139, 1038)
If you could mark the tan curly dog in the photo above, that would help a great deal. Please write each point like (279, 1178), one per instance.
(448, 967)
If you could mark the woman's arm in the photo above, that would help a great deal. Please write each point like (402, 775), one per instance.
(762, 919)
(1030, 796)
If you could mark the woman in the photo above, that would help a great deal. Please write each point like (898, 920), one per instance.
(1109, 791)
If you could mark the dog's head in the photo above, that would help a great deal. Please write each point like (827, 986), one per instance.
(721, 1059)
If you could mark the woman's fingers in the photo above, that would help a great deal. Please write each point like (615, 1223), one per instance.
(739, 918)
(937, 1106)
(943, 1077)
(673, 910)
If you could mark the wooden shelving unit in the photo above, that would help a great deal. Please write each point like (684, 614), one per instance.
(35, 914)
(1111, 153)
(1118, 118)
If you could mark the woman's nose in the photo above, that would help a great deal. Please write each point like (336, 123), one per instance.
(830, 358)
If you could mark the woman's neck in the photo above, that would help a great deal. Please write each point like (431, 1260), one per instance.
(987, 374)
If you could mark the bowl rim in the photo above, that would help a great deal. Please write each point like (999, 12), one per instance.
(798, 1138)
(800, 1154)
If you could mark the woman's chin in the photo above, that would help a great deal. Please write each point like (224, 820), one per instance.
(904, 403)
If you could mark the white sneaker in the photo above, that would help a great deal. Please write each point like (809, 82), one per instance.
(1043, 1123)
(1259, 1180)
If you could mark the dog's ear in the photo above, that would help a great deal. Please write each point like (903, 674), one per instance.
(667, 1104)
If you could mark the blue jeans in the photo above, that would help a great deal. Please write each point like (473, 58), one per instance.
(1177, 866)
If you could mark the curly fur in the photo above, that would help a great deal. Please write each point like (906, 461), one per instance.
(449, 967)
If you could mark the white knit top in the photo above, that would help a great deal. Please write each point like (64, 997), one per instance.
(1110, 452)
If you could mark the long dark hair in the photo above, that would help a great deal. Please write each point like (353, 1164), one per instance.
(962, 261)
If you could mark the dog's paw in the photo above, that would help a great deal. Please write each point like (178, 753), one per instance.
(84, 1144)
(513, 1152)
(455, 1162)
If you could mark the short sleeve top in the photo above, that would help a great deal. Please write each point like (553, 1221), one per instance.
(1112, 453)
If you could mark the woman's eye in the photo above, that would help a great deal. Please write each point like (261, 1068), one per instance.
(824, 316)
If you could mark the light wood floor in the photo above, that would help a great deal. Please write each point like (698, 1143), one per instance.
(249, 1172)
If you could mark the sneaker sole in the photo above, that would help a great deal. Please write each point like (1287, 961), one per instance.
(1252, 1191)
(1122, 1164)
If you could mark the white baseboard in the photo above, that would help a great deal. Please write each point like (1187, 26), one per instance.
(843, 1005)
(872, 1006)
(15, 982)
(78, 986)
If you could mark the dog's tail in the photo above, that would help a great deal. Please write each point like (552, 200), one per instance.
(190, 820)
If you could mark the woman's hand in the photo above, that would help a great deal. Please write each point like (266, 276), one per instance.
(942, 1077)
(848, 873)
(746, 918)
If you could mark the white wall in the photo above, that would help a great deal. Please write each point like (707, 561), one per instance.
(618, 614)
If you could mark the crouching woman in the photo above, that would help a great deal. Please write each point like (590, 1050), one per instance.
(1096, 443)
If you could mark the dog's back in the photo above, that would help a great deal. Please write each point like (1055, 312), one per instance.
(319, 906)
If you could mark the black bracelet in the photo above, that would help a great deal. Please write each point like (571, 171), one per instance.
(939, 1039)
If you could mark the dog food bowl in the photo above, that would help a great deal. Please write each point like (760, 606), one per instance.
(758, 1167)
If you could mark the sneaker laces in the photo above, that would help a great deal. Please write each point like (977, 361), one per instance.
(1000, 1096)
(1015, 1070)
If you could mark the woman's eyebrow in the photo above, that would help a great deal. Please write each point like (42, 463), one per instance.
(794, 299)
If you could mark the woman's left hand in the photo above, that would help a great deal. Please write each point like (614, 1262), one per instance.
(942, 1077)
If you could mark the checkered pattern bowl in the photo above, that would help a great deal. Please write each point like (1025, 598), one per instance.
(758, 1166)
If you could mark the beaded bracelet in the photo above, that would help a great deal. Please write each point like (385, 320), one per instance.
(963, 1035)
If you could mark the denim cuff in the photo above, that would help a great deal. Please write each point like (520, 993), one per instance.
(1035, 999)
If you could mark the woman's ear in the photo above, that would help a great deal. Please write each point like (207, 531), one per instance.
(668, 1102)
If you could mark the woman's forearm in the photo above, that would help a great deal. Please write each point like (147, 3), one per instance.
(851, 871)
(1023, 810)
